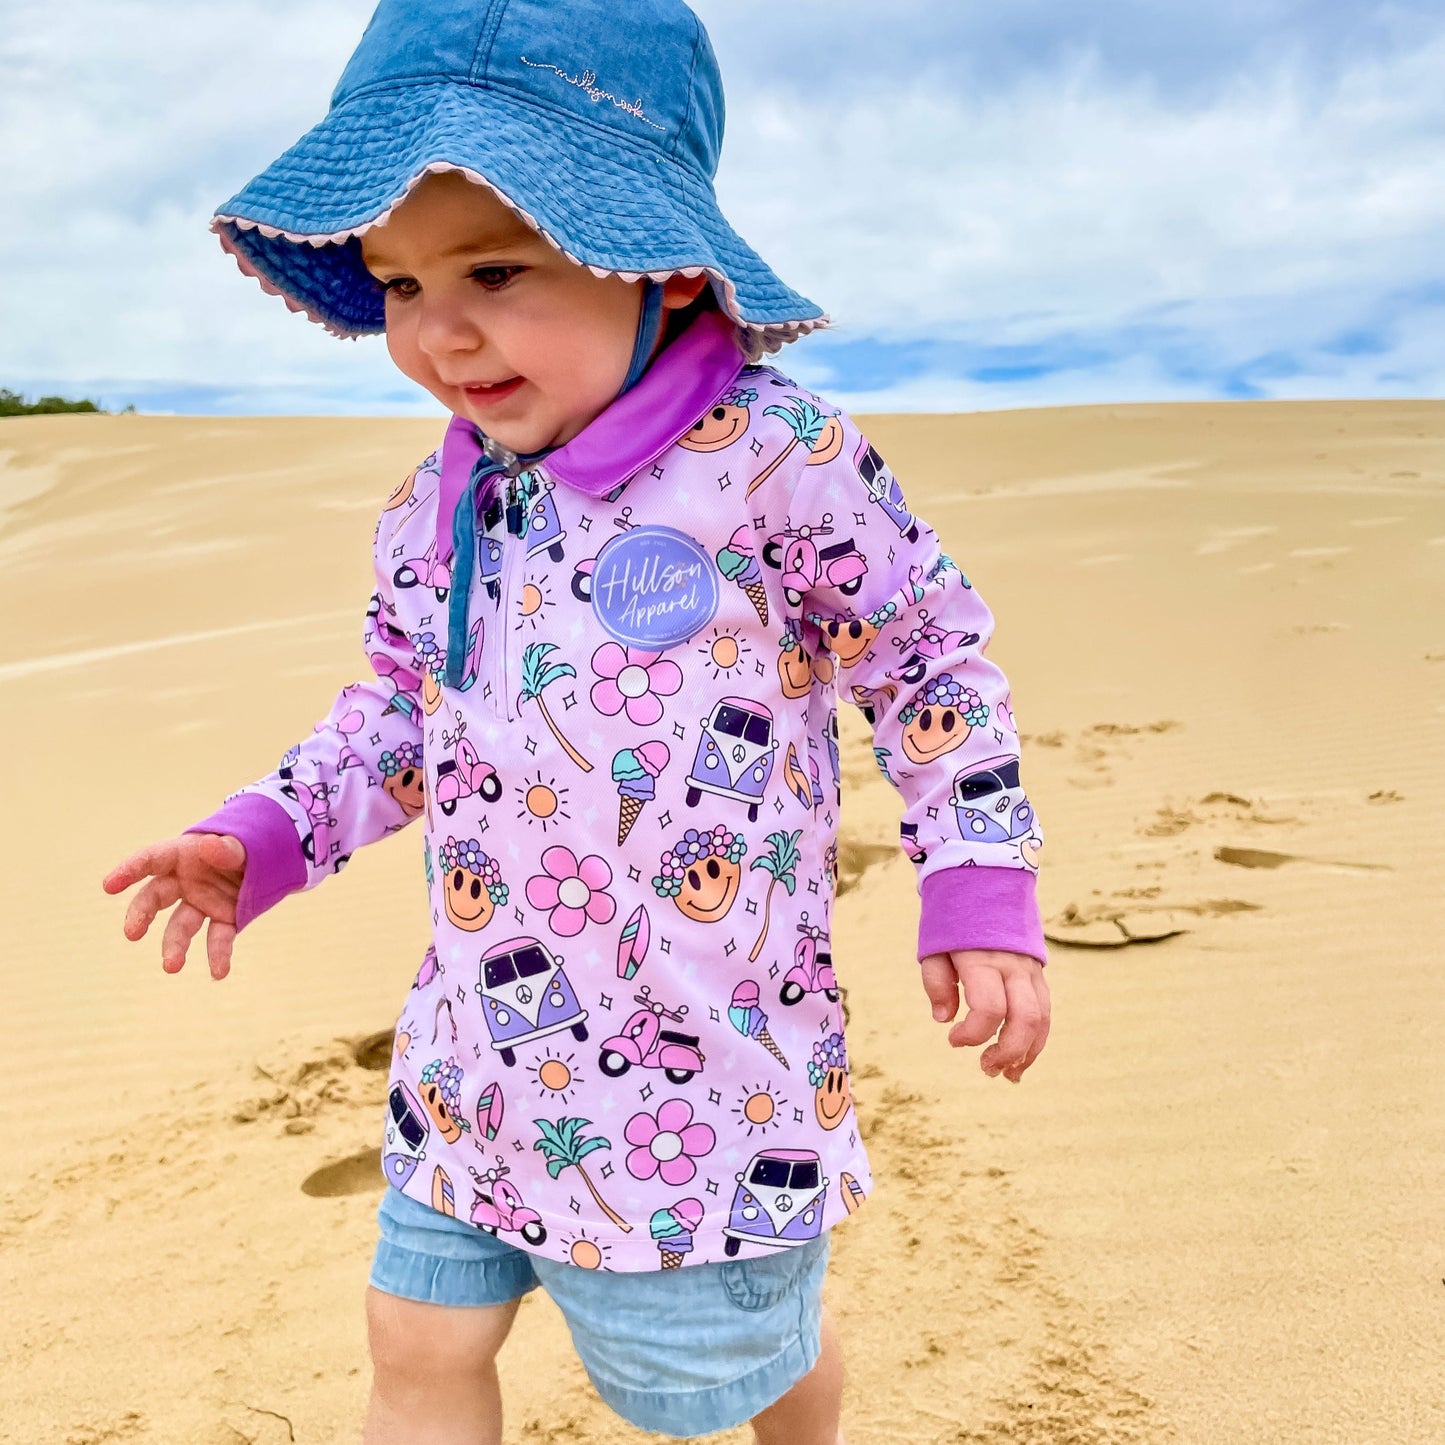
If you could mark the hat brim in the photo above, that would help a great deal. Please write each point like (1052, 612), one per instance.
(618, 210)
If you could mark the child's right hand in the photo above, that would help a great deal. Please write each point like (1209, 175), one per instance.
(200, 871)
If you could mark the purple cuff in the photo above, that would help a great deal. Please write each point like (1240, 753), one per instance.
(981, 908)
(275, 864)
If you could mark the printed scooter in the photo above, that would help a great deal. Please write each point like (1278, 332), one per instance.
(804, 563)
(644, 1043)
(812, 968)
(928, 642)
(425, 571)
(465, 774)
(502, 1207)
(582, 573)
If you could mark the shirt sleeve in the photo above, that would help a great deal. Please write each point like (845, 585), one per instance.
(909, 633)
(357, 777)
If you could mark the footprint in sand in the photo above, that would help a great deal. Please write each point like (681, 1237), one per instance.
(1112, 925)
(304, 1083)
(1170, 820)
(374, 1051)
(1264, 858)
(1091, 749)
(356, 1174)
(855, 859)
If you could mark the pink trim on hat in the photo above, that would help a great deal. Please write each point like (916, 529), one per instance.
(773, 335)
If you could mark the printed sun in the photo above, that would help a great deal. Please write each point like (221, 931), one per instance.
(543, 801)
(586, 1253)
(759, 1109)
(532, 606)
(726, 653)
(556, 1076)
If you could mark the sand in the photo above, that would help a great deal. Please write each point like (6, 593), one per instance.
(1210, 1212)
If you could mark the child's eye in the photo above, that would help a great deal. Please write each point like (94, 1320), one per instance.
(494, 278)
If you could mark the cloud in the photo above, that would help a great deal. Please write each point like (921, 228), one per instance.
(1180, 51)
(1005, 204)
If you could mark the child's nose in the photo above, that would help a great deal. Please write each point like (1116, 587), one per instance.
(444, 328)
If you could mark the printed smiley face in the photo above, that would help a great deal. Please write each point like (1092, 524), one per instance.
(850, 637)
(719, 428)
(933, 732)
(939, 717)
(467, 902)
(402, 495)
(709, 887)
(436, 1106)
(431, 692)
(795, 670)
(405, 785)
(832, 1098)
(829, 443)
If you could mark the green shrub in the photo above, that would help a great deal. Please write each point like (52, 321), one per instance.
(13, 404)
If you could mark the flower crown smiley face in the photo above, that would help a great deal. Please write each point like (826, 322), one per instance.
(472, 887)
(828, 1074)
(429, 660)
(702, 873)
(401, 777)
(850, 637)
(938, 717)
(722, 426)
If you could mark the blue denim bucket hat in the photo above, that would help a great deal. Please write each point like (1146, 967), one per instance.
(599, 123)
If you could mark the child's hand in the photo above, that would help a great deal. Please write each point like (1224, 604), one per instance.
(999, 988)
(200, 871)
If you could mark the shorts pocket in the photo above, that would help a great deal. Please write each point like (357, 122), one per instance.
(759, 1284)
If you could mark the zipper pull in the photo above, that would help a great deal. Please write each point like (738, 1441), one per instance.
(514, 507)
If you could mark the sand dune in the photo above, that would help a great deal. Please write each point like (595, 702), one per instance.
(1210, 1213)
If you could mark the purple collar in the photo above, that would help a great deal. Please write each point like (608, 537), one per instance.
(688, 377)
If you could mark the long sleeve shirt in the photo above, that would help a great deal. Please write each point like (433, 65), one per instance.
(609, 688)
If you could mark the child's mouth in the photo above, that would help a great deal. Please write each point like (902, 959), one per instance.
(485, 395)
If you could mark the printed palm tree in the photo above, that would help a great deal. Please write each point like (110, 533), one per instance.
(537, 676)
(780, 860)
(807, 423)
(565, 1148)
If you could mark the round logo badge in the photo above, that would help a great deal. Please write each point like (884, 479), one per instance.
(654, 587)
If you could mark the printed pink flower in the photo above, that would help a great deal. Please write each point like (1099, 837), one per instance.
(669, 1142)
(634, 680)
(571, 890)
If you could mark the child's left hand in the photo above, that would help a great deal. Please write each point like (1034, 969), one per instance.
(999, 988)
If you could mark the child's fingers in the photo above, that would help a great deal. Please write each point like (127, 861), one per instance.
(185, 923)
(219, 938)
(983, 992)
(157, 894)
(158, 858)
(221, 851)
(1041, 990)
(1022, 1022)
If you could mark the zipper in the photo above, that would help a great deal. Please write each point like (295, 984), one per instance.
(511, 528)
(519, 500)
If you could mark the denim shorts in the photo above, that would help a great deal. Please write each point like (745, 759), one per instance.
(682, 1352)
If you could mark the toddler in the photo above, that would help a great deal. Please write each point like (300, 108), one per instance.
(614, 611)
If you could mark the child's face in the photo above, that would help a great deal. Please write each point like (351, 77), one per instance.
(474, 295)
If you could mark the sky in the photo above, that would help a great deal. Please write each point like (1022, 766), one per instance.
(1033, 204)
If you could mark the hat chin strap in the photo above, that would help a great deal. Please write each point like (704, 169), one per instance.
(649, 327)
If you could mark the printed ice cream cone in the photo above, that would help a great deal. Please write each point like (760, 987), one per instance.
(750, 1021)
(758, 597)
(673, 1229)
(629, 811)
(767, 1041)
(635, 770)
(738, 564)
